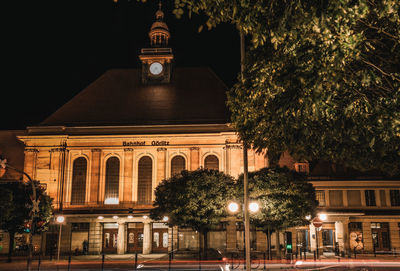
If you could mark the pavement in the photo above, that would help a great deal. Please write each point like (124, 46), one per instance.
(161, 262)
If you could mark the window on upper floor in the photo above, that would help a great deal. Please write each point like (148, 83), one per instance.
(211, 162)
(177, 165)
(111, 195)
(145, 179)
(336, 198)
(353, 198)
(301, 167)
(395, 197)
(78, 186)
(370, 198)
(320, 195)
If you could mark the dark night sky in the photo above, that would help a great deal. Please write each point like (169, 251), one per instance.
(54, 49)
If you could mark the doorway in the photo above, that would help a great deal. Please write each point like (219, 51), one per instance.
(327, 240)
(380, 236)
(110, 239)
(302, 240)
(160, 240)
(135, 237)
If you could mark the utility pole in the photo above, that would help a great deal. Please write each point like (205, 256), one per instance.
(245, 170)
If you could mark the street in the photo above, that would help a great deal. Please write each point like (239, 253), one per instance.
(181, 265)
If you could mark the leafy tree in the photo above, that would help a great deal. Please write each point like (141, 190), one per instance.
(322, 79)
(16, 206)
(195, 199)
(285, 198)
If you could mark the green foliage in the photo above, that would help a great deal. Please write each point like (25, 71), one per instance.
(16, 207)
(322, 79)
(285, 198)
(195, 199)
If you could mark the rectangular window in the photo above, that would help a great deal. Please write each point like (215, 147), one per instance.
(370, 198)
(395, 197)
(320, 195)
(336, 198)
(353, 198)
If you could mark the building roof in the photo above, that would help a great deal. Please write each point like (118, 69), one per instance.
(118, 98)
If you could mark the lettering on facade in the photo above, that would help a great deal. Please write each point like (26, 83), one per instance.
(134, 143)
(143, 143)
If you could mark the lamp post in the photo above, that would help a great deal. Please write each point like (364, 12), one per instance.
(35, 207)
(253, 207)
(60, 220)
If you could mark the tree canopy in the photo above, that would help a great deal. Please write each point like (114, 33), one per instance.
(321, 80)
(195, 199)
(16, 206)
(285, 198)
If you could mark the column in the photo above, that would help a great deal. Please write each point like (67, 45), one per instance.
(30, 163)
(147, 237)
(339, 229)
(261, 239)
(231, 237)
(121, 238)
(128, 171)
(367, 236)
(313, 241)
(95, 238)
(95, 177)
(394, 233)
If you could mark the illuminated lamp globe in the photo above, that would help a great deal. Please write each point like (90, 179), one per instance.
(60, 219)
(323, 217)
(254, 207)
(233, 207)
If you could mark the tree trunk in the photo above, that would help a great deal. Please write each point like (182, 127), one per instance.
(10, 245)
(205, 244)
(278, 245)
(269, 244)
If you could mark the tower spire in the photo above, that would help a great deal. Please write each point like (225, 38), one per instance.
(159, 32)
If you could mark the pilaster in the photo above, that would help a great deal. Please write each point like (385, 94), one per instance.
(128, 172)
(147, 237)
(95, 177)
(121, 238)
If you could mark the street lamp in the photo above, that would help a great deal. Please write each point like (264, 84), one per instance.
(35, 207)
(60, 220)
(253, 207)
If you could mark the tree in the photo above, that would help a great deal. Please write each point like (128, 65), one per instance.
(322, 79)
(285, 198)
(16, 206)
(195, 199)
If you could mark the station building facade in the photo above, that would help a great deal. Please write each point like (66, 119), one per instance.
(102, 155)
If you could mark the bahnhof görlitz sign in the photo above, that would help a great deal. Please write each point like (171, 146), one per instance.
(143, 143)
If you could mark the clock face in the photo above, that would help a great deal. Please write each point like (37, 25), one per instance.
(156, 68)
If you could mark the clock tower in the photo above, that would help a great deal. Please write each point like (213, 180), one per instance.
(156, 61)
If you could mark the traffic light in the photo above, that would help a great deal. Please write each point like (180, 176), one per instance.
(27, 226)
(288, 242)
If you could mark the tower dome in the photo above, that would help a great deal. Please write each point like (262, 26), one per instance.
(159, 32)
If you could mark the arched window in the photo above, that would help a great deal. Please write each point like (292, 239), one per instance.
(145, 171)
(177, 164)
(211, 162)
(112, 181)
(78, 189)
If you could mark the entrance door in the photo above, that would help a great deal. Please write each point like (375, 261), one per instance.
(380, 236)
(135, 240)
(51, 244)
(327, 240)
(160, 240)
(110, 237)
(302, 240)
